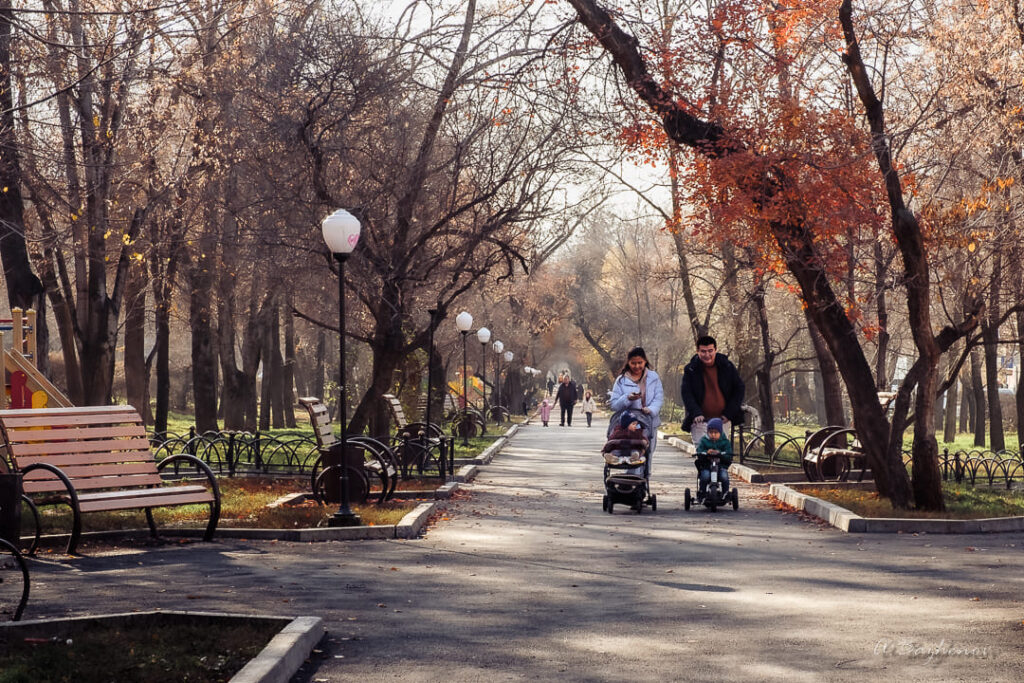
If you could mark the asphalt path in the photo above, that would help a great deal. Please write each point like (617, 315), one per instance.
(525, 578)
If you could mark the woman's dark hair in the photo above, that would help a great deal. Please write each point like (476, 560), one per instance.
(635, 352)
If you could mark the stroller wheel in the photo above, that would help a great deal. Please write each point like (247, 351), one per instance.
(639, 506)
(687, 499)
(604, 502)
(654, 503)
(735, 500)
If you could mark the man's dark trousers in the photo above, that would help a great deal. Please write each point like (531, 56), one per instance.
(566, 414)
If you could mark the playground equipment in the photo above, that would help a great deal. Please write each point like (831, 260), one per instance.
(26, 386)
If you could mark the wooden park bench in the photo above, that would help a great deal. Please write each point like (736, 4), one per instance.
(378, 459)
(97, 459)
(830, 453)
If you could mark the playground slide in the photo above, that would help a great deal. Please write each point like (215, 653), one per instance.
(25, 377)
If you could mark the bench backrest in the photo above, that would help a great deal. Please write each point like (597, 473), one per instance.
(97, 447)
(396, 410)
(321, 420)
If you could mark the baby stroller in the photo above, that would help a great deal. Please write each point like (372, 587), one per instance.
(629, 484)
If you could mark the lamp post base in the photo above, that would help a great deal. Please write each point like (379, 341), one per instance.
(345, 519)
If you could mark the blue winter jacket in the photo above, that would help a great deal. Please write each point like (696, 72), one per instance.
(624, 386)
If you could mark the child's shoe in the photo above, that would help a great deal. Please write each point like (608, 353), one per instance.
(611, 458)
(635, 458)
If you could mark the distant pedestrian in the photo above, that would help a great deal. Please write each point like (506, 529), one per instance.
(545, 411)
(567, 396)
(551, 385)
(589, 406)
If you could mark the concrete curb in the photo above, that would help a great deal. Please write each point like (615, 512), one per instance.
(844, 520)
(684, 446)
(413, 522)
(284, 654)
(747, 474)
(467, 473)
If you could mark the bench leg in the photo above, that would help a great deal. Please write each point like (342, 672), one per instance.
(214, 517)
(76, 529)
(150, 521)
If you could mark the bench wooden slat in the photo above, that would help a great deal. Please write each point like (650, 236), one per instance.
(73, 410)
(68, 420)
(80, 471)
(80, 434)
(150, 501)
(70, 460)
(52, 484)
(144, 493)
(21, 450)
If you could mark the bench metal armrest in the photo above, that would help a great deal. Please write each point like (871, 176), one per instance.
(214, 506)
(76, 512)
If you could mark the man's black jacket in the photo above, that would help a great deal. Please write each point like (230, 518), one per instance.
(729, 381)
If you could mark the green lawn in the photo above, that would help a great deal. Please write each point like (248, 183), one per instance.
(962, 502)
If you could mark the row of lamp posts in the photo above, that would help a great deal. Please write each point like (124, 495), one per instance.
(464, 324)
(341, 233)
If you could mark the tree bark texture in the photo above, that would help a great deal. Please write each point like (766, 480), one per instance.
(978, 399)
(135, 383)
(990, 335)
(22, 284)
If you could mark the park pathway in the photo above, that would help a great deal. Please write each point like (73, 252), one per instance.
(527, 579)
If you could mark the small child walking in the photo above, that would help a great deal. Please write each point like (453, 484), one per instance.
(545, 412)
(589, 406)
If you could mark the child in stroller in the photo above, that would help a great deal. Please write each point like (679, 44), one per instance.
(627, 463)
(627, 442)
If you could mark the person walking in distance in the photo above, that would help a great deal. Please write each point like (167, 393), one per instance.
(588, 406)
(711, 387)
(567, 397)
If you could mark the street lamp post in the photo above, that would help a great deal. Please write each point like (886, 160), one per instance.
(341, 233)
(464, 322)
(508, 364)
(498, 347)
(484, 336)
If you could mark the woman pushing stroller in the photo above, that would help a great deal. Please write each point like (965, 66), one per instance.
(636, 398)
(638, 390)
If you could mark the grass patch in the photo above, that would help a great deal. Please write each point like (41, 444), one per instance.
(161, 653)
(244, 503)
(962, 502)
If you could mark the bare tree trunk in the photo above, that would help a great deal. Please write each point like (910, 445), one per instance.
(978, 391)
(698, 327)
(266, 353)
(990, 334)
(22, 284)
(321, 370)
(135, 342)
(764, 371)
(276, 369)
(288, 371)
(952, 400)
(1017, 277)
(966, 405)
(831, 389)
(882, 313)
(256, 333)
(204, 336)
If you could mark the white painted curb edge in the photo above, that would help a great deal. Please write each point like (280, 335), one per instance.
(284, 654)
